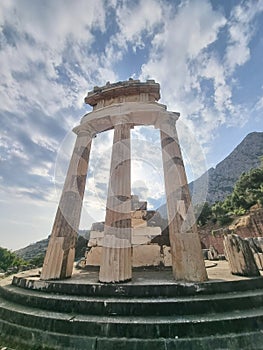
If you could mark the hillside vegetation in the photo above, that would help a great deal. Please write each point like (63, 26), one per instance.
(33, 255)
(247, 192)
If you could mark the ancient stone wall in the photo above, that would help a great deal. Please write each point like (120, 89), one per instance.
(247, 226)
(214, 239)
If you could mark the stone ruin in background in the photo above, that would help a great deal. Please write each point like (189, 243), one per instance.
(149, 246)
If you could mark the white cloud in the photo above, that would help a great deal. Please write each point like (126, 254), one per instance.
(40, 40)
(258, 105)
(181, 60)
(189, 31)
(196, 79)
(47, 67)
(135, 27)
(55, 22)
(241, 30)
(135, 20)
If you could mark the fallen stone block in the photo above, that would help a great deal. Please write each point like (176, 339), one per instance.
(240, 256)
(212, 253)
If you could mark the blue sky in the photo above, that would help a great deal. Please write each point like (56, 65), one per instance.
(206, 54)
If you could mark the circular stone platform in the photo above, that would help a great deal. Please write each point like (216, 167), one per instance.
(150, 312)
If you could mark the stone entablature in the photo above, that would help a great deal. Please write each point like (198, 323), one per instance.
(124, 91)
(134, 114)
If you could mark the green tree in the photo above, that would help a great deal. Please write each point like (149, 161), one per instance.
(9, 259)
(81, 246)
(221, 213)
(248, 190)
(205, 214)
(219, 210)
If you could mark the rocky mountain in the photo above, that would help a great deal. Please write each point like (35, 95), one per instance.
(220, 180)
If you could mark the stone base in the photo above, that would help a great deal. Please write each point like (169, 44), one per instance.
(152, 313)
(142, 255)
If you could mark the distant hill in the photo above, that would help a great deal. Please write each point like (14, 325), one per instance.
(39, 248)
(34, 249)
(221, 179)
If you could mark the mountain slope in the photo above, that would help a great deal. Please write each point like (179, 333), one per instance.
(222, 179)
(34, 249)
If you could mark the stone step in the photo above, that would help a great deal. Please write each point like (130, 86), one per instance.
(127, 306)
(83, 314)
(150, 327)
(172, 289)
(24, 338)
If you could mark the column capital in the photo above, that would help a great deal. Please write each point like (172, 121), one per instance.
(167, 121)
(85, 130)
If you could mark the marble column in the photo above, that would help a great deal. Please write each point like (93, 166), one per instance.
(187, 258)
(116, 254)
(59, 259)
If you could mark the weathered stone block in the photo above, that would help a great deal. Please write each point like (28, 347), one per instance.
(93, 257)
(138, 218)
(167, 257)
(96, 234)
(147, 231)
(212, 253)
(259, 260)
(96, 239)
(138, 223)
(240, 256)
(146, 255)
(258, 241)
(139, 240)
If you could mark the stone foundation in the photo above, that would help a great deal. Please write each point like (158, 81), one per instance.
(153, 312)
(142, 255)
